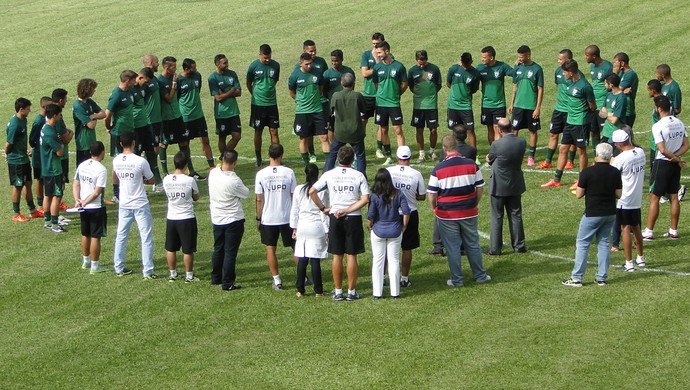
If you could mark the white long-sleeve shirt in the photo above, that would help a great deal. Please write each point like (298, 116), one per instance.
(304, 214)
(226, 191)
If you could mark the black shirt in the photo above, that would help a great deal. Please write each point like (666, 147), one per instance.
(600, 182)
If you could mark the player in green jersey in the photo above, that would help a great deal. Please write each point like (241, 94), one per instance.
(306, 87)
(425, 81)
(390, 79)
(86, 114)
(145, 136)
(366, 64)
(654, 87)
(492, 74)
(152, 101)
(463, 81)
(18, 164)
(670, 88)
(119, 116)
(225, 88)
(189, 89)
(599, 69)
(318, 66)
(262, 76)
(526, 98)
(59, 97)
(332, 77)
(35, 143)
(613, 108)
(629, 83)
(52, 148)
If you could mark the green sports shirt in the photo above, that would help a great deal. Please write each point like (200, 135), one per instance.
(60, 129)
(492, 78)
(368, 61)
(169, 111)
(463, 84)
(389, 78)
(425, 84)
(527, 78)
(263, 79)
(672, 92)
(18, 137)
(307, 91)
(50, 144)
(615, 104)
(580, 94)
(81, 113)
(598, 73)
(121, 103)
(140, 112)
(152, 101)
(188, 90)
(630, 80)
(332, 78)
(222, 83)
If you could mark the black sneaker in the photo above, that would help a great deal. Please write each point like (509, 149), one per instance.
(338, 297)
(601, 283)
(125, 271)
(150, 276)
(198, 177)
(405, 283)
(353, 297)
(58, 229)
(571, 283)
(437, 252)
(232, 287)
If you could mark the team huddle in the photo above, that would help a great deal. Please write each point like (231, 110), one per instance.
(146, 113)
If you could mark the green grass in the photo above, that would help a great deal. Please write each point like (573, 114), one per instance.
(64, 328)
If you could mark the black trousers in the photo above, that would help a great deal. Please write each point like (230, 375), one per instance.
(226, 242)
(315, 274)
(513, 208)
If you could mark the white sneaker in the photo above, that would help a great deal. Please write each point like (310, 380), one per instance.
(681, 192)
(434, 156)
(640, 262)
(63, 219)
(157, 188)
(628, 266)
(422, 156)
(379, 154)
(115, 200)
(647, 235)
(388, 161)
(663, 199)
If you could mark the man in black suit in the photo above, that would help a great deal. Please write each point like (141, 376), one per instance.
(506, 186)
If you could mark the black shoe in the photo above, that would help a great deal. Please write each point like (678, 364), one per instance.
(232, 287)
(521, 250)
(437, 251)
(494, 253)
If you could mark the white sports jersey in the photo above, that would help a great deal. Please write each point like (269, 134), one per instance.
(91, 174)
(409, 181)
(276, 183)
(669, 130)
(631, 163)
(132, 170)
(345, 187)
(179, 190)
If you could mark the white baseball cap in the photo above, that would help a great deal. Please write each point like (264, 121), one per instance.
(620, 136)
(404, 152)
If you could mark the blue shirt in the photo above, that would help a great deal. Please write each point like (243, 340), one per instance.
(386, 217)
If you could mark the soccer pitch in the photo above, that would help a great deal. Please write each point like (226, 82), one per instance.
(64, 328)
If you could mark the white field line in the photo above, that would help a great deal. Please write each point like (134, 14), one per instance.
(570, 260)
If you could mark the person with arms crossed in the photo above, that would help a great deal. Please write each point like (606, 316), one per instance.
(146, 139)
(599, 70)
(52, 149)
(59, 97)
(629, 83)
(262, 76)
(152, 101)
(306, 86)
(492, 74)
(319, 66)
(35, 143)
(119, 117)
(86, 114)
(333, 79)
(366, 64)
(425, 82)
(463, 81)
(347, 107)
(225, 89)
(613, 109)
(189, 89)
(18, 164)
(525, 101)
(670, 88)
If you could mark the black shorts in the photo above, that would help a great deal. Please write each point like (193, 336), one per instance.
(263, 116)
(197, 128)
(175, 131)
(20, 174)
(420, 117)
(490, 116)
(596, 123)
(410, 237)
(461, 117)
(386, 114)
(630, 120)
(145, 139)
(629, 217)
(65, 169)
(369, 107)
(269, 235)
(557, 122)
(225, 126)
(666, 178)
(181, 234)
(346, 235)
(36, 163)
(575, 135)
(54, 185)
(307, 125)
(522, 119)
(158, 133)
(94, 222)
(82, 155)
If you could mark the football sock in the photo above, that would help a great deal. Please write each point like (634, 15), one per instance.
(549, 154)
(559, 174)
(305, 158)
(387, 150)
(31, 205)
(571, 155)
(532, 151)
(15, 207)
(379, 145)
(211, 162)
(163, 157)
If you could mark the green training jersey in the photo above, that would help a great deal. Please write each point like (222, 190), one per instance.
(307, 91)
(425, 84)
(332, 78)
(630, 80)
(18, 137)
(527, 78)
(152, 101)
(672, 92)
(121, 103)
(598, 73)
(222, 83)
(463, 83)
(368, 61)
(318, 66)
(50, 144)
(169, 111)
(81, 113)
(141, 117)
(35, 135)
(263, 79)
(492, 78)
(655, 119)
(188, 90)
(389, 78)
(61, 129)
(580, 94)
(615, 104)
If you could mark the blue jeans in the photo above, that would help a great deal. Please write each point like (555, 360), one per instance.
(590, 227)
(360, 156)
(125, 217)
(457, 234)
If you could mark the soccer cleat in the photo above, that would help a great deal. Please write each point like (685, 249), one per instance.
(388, 161)
(450, 283)
(98, 270)
(600, 283)
(422, 156)
(571, 283)
(530, 161)
(193, 279)
(86, 265)
(673, 236)
(640, 262)
(573, 186)
(434, 156)
(125, 271)
(628, 266)
(337, 297)
(318, 295)
(38, 213)
(232, 287)
(47, 224)
(20, 218)
(405, 283)
(150, 276)
(172, 278)
(437, 251)
(63, 206)
(551, 183)
(299, 295)
(62, 219)
(681, 192)
(663, 199)
(353, 297)
(379, 154)
(198, 177)
(58, 229)
(312, 158)
(277, 286)
(545, 165)
(569, 165)
(259, 163)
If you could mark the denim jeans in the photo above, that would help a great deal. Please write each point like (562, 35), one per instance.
(590, 227)
(226, 242)
(462, 234)
(360, 156)
(125, 217)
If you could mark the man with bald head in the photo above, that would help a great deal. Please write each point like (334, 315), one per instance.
(347, 108)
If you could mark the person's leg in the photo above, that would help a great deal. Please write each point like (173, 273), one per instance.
(85, 250)
(275, 139)
(452, 241)
(352, 271)
(551, 148)
(184, 147)
(675, 209)
(222, 144)
(585, 234)
(496, 224)
(124, 222)
(419, 135)
(145, 225)
(257, 144)
(95, 249)
(337, 271)
(653, 212)
(470, 243)
(436, 238)
(188, 259)
(272, 260)
(378, 251)
(235, 138)
(304, 149)
(406, 263)
(582, 157)
(316, 277)
(490, 133)
(233, 238)
(171, 259)
(151, 159)
(433, 138)
(627, 241)
(385, 140)
(603, 253)
(360, 156)
(332, 155)
(218, 253)
(325, 145)
(16, 198)
(28, 197)
(517, 230)
(302, 263)
(206, 147)
(393, 255)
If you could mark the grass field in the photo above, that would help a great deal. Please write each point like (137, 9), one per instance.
(63, 328)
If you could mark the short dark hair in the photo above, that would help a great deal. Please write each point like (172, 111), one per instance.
(168, 59)
(85, 88)
(218, 58)
(567, 52)
(337, 53)
(230, 156)
(383, 45)
(421, 55)
(127, 75)
(524, 49)
(307, 43)
(45, 101)
(53, 109)
(187, 63)
(489, 50)
(570, 66)
(96, 148)
(622, 57)
(58, 93)
(347, 80)
(304, 57)
(180, 160)
(377, 36)
(664, 70)
(275, 151)
(466, 58)
(594, 49)
(265, 49)
(146, 72)
(21, 103)
(613, 79)
(460, 133)
(654, 85)
(346, 155)
(662, 102)
(127, 139)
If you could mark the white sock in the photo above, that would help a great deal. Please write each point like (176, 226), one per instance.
(189, 275)
(351, 292)
(640, 259)
(403, 279)
(276, 280)
(95, 264)
(647, 231)
(173, 273)
(86, 260)
(672, 231)
(628, 263)
(338, 291)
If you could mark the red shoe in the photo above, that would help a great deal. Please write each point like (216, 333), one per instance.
(574, 186)
(530, 161)
(569, 165)
(20, 218)
(63, 206)
(551, 183)
(544, 165)
(37, 214)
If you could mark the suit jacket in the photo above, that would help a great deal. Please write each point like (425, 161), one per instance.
(505, 158)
